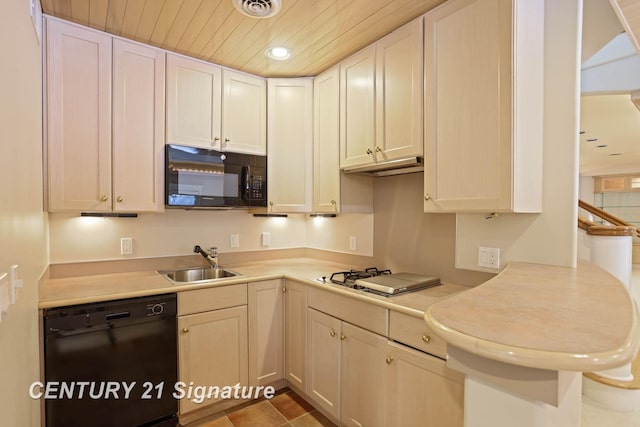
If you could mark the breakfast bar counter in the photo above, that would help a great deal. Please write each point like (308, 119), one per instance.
(524, 337)
(542, 316)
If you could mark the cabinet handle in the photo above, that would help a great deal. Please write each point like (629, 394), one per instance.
(104, 198)
(389, 360)
(119, 199)
(284, 290)
(217, 138)
(378, 149)
(185, 330)
(333, 202)
(226, 140)
(332, 333)
(427, 197)
(369, 151)
(426, 338)
(343, 337)
(270, 203)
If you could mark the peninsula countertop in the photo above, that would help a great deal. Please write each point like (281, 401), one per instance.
(542, 316)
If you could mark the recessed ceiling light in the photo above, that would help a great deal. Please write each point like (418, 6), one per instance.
(278, 53)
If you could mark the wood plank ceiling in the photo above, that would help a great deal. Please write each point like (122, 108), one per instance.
(320, 33)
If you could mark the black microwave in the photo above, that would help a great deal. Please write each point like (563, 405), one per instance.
(203, 178)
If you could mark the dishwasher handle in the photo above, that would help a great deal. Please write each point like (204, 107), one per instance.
(116, 316)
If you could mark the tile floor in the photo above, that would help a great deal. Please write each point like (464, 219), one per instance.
(593, 416)
(285, 409)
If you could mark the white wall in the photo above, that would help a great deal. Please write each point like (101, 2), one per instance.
(175, 232)
(22, 223)
(333, 234)
(587, 189)
(549, 237)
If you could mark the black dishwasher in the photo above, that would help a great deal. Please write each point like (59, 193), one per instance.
(111, 364)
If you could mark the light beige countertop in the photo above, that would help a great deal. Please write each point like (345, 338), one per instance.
(541, 316)
(103, 287)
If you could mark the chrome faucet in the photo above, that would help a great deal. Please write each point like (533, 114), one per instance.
(211, 256)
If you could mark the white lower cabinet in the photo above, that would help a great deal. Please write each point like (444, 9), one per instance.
(295, 334)
(269, 331)
(266, 329)
(421, 390)
(213, 351)
(362, 384)
(344, 370)
(323, 363)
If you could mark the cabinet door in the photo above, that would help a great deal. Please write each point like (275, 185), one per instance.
(323, 369)
(290, 149)
(363, 387)
(421, 390)
(194, 91)
(266, 330)
(138, 127)
(399, 93)
(295, 360)
(244, 113)
(212, 351)
(357, 109)
(483, 108)
(78, 118)
(326, 142)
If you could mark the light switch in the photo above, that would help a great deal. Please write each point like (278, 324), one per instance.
(353, 243)
(266, 238)
(5, 298)
(126, 246)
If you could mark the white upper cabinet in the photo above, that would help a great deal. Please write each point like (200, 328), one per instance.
(290, 133)
(244, 113)
(78, 115)
(105, 122)
(138, 127)
(213, 108)
(399, 94)
(483, 107)
(381, 99)
(357, 108)
(326, 142)
(194, 94)
(334, 191)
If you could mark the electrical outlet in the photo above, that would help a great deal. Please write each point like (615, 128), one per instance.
(489, 257)
(234, 240)
(126, 246)
(266, 238)
(353, 243)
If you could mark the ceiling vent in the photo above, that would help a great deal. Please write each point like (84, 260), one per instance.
(258, 8)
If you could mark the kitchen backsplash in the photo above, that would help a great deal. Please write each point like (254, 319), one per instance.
(175, 232)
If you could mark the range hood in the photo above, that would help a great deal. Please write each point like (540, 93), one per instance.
(388, 168)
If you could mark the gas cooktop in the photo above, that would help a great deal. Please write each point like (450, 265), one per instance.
(381, 282)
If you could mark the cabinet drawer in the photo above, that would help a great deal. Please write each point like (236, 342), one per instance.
(414, 332)
(356, 312)
(200, 300)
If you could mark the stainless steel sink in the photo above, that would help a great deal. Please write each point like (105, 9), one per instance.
(198, 274)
